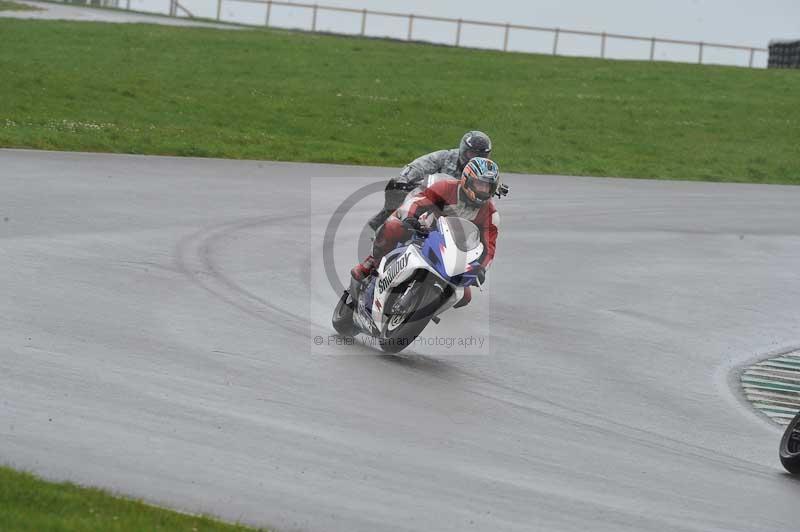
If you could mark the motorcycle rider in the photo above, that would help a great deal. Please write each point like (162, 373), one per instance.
(468, 197)
(451, 162)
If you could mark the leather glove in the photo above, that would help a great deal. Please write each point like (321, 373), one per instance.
(412, 224)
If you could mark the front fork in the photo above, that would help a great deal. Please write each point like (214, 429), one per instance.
(402, 301)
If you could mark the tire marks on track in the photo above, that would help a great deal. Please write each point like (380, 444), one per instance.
(194, 257)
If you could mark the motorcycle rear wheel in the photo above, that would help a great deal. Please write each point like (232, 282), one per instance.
(343, 316)
(790, 446)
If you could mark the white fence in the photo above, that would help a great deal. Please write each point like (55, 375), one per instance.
(307, 17)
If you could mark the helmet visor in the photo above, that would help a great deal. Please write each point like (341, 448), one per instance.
(482, 189)
(471, 153)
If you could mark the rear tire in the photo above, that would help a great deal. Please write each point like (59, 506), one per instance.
(790, 446)
(343, 316)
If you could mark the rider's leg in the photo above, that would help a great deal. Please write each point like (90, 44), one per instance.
(376, 221)
(389, 234)
(394, 194)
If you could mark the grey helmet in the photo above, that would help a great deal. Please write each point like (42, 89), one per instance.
(474, 144)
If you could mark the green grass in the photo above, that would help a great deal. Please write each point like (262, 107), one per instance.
(302, 97)
(30, 504)
(5, 5)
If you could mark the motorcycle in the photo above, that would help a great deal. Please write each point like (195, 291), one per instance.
(790, 446)
(413, 285)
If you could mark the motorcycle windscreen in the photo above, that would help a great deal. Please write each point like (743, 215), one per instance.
(462, 244)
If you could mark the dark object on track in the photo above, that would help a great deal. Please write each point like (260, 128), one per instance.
(790, 446)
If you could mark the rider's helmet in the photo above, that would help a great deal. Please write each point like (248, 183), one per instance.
(474, 144)
(479, 181)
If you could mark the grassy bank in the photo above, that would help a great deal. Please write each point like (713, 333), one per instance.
(299, 97)
(30, 504)
(6, 5)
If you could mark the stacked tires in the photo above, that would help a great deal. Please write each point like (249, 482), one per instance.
(784, 54)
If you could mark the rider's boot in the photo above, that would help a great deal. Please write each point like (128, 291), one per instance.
(364, 269)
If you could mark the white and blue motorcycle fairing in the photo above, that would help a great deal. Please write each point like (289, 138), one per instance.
(415, 282)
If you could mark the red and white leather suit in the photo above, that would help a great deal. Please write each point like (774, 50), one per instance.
(442, 199)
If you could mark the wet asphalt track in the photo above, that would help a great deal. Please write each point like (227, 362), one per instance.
(157, 334)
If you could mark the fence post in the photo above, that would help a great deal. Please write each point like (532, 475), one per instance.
(652, 48)
(219, 8)
(269, 12)
(752, 53)
(314, 19)
(505, 38)
(458, 32)
(700, 55)
(603, 46)
(363, 22)
(555, 42)
(410, 26)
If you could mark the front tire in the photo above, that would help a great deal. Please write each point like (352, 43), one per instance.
(790, 446)
(343, 315)
(402, 331)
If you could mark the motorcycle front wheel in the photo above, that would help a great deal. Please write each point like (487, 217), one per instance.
(790, 446)
(403, 329)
